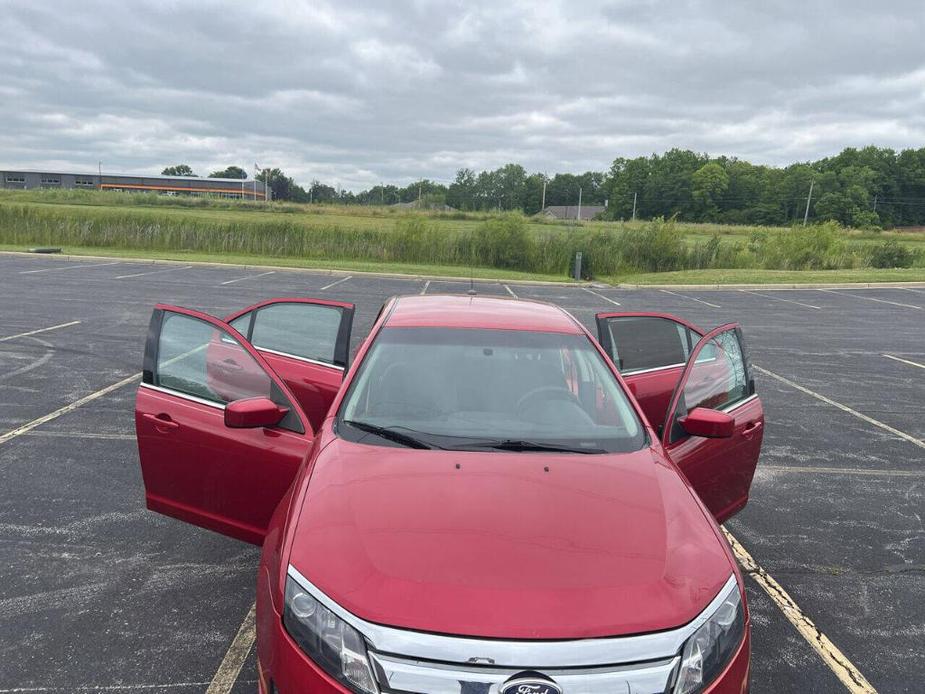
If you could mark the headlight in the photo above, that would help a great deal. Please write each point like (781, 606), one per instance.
(706, 652)
(328, 640)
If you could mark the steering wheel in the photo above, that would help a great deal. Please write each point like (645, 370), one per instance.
(552, 392)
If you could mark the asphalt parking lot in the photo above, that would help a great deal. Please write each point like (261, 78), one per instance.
(99, 595)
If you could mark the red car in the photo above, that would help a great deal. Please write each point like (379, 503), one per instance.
(487, 501)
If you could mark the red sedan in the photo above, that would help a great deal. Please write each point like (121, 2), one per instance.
(489, 500)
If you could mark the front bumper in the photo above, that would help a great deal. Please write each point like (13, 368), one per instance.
(432, 664)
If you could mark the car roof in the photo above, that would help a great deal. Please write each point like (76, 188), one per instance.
(487, 312)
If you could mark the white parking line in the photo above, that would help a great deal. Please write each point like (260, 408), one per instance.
(40, 330)
(424, 288)
(29, 426)
(844, 408)
(843, 668)
(154, 272)
(870, 298)
(227, 673)
(905, 361)
(601, 296)
(509, 290)
(79, 266)
(692, 298)
(343, 279)
(789, 301)
(810, 469)
(249, 277)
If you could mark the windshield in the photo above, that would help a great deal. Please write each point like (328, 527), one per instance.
(466, 389)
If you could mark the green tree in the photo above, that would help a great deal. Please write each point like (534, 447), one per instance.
(178, 170)
(230, 172)
(708, 185)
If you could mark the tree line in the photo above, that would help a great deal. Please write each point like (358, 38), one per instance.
(867, 188)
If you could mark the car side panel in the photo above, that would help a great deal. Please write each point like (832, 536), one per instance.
(314, 386)
(652, 390)
(202, 472)
(721, 470)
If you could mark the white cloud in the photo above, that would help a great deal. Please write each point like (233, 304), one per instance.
(363, 92)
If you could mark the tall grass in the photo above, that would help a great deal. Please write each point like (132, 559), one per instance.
(505, 241)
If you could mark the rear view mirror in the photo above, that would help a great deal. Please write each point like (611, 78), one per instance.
(711, 424)
(250, 413)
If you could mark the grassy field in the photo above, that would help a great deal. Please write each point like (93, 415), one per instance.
(757, 276)
(387, 239)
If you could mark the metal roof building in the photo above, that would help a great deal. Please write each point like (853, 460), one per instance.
(25, 179)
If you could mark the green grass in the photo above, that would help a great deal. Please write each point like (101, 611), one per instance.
(386, 239)
(759, 276)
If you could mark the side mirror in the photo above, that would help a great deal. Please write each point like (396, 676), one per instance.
(251, 413)
(711, 424)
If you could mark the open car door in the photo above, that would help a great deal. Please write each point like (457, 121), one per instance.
(650, 351)
(306, 341)
(220, 435)
(715, 422)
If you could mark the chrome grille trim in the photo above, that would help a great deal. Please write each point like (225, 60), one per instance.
(400, 675)
(520, 655)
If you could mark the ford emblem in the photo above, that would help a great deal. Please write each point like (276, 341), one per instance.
(530, 683)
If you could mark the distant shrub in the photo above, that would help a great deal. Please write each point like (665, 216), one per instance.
(817, 247)
(503, 242)
(657, 246)
(891, 254)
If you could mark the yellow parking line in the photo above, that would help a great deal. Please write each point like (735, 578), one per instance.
(843, 668)
(227, 673)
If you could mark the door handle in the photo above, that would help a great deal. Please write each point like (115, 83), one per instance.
(751, 429)
(231, 365)
(162, 422)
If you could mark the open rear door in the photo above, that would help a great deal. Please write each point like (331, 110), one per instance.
(306, 341)
(715, 422)
(650, 351)
(220, 436)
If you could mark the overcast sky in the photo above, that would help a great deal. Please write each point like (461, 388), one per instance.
(383, 90)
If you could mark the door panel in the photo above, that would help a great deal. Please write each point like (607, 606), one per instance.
(650, 351)
(307, 343)
(718, 376)
(194, 467)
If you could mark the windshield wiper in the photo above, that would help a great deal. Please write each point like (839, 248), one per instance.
(521, 445)
(389, 434)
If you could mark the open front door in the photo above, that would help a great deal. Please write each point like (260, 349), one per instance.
(649, 350)
(306, 341)
(220, 436)
(715, 423)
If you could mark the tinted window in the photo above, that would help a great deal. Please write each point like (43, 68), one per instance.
(195, 358)
(646, 342)
(303, 330)
(718, 378)
(456, 387)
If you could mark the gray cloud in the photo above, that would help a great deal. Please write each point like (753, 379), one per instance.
(361, 92)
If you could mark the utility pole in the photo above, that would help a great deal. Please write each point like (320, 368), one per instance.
(100, 169)
(579, 204)
(634, 205)
(875, 202)
(808, 199)
(381, 193)
(420, 185)
(543, 205)
(256, 173)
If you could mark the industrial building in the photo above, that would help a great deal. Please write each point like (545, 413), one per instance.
(164, 185)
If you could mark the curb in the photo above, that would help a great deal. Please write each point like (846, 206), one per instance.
(776, 287)
(286, 268)
(458, 278)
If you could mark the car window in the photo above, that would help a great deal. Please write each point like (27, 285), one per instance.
(303, 330)
(717, 379)
(456, 386)
(195, 358)
(648, 342)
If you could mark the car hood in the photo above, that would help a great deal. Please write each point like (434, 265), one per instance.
(507, 545)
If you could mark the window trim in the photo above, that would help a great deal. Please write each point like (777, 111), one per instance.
(184, 396)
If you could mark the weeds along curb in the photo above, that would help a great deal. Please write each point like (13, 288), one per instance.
(776, 286)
